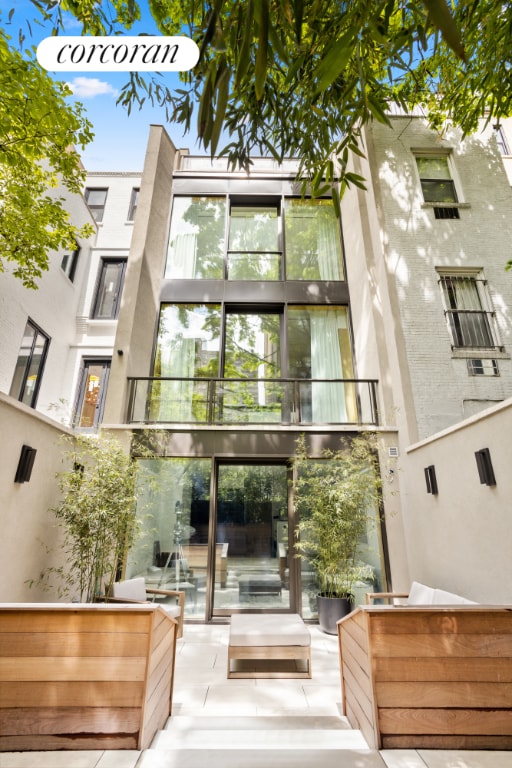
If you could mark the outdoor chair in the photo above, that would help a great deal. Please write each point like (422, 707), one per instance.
(136, 591)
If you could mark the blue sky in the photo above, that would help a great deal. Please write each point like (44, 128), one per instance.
(120, 140)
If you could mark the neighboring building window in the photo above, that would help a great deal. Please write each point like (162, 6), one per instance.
(468, 312)
(502, 141)
(253, 248)
(69, 262)
(197, 238)
(108, 292)
(91, 393)
(134, 201)
(438, 186)
(313, 242)
(485, 367)
(29, 367)
(96, 197)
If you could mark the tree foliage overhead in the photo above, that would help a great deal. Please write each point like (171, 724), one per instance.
(300, 77)
(37, 130)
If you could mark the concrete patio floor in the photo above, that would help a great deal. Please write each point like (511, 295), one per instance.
(221, 723)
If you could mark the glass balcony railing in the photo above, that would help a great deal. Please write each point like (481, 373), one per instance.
(252, 401)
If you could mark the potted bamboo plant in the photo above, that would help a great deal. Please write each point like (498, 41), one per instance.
(336, 501)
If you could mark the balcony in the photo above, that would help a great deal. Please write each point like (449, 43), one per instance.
(300, 402)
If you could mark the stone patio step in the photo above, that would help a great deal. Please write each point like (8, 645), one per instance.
(256, 732)
(260, 758)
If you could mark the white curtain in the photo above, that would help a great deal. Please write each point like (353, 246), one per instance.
(178, 361)
(328, 398)
(183, 257)
(328, 248)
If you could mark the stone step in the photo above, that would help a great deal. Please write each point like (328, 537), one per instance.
(260, 758)
(256, 732)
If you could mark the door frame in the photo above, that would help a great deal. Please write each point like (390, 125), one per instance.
(294, 570)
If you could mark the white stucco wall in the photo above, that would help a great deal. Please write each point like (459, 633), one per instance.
(53, 307)
(28, 528)
(414, 244)
(461, 539)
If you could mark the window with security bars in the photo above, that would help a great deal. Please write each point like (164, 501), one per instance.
(468, 312)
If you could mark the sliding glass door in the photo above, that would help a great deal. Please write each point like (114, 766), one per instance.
(251, 538)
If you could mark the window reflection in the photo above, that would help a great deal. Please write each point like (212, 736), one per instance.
(313, 244)
(196, 241)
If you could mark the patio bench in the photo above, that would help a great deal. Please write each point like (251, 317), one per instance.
(428, 676)
(84, 676)
(276, 645)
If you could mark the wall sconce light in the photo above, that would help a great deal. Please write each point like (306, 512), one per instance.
(25, 464)
(431, 480)
(484, 464)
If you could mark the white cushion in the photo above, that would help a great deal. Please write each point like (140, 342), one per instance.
(268, 629)
(420, 594)
(131, 589)
(171, 610)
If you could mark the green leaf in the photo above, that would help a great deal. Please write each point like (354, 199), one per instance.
(442, 18)
(334, 61)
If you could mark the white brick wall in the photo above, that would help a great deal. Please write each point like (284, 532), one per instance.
(414, 244)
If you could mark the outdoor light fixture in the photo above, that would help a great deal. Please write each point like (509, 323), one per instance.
(431, 480)
(484, 464)
(25, 464)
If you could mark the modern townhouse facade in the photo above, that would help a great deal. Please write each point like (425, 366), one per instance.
(225, 315)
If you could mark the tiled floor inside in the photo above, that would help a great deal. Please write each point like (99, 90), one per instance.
(242, 723)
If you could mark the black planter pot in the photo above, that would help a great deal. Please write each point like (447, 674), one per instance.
(331, 610)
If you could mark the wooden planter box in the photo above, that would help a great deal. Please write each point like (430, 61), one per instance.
(80, 676)
(428, 677)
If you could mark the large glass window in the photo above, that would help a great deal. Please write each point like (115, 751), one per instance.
(319, 349)
(254, 243)
(188, 348)
(252, 350)
(30, 365)
(173, 507)
(107, 299)
(197, 237)
(313, 243)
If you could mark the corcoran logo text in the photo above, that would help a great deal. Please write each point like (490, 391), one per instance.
(117, 54)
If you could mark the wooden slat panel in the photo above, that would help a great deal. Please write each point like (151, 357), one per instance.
(427, 669)
(350, 648)
(357, 632)
(420, 741)
(72, 644)
(41, 742)
(364, 698)
(441, 621)
(160, 658)
(125, 621)
(67, 668)
(349, 664)
(71, 694)
(156, 722)
(444, 694)
(71, 720)
(442, 646)
(357, 719)
(443, 721)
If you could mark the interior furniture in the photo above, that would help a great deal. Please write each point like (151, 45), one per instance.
(137, 591)
(197, 558)
(428, 676)
(84, 676)
(268, 645)
(259, 584)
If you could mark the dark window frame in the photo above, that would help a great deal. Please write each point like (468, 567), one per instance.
(96, 210)
(106, 363)
(97, 302)
(134, 202)
(20, 395)
(69, 263)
